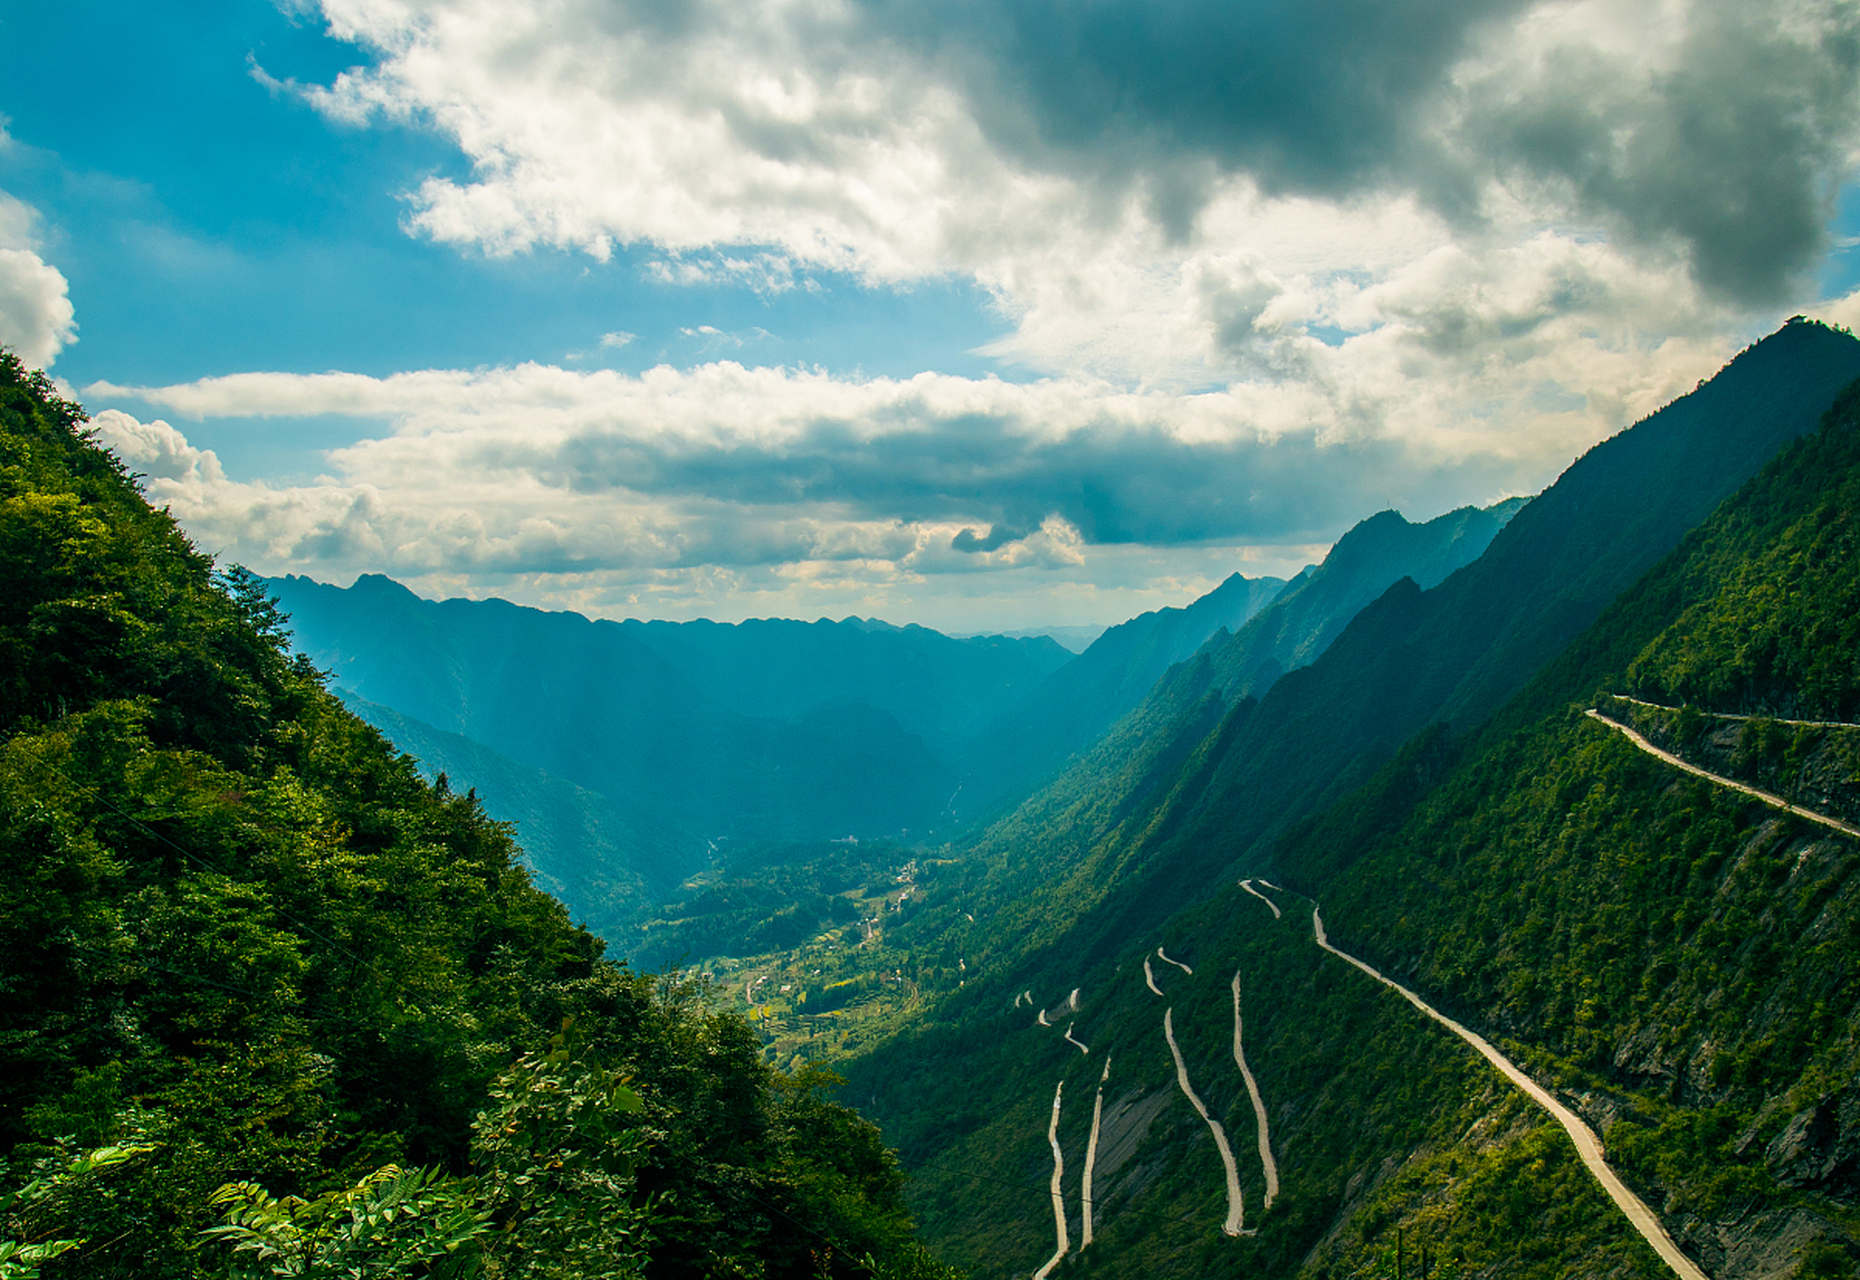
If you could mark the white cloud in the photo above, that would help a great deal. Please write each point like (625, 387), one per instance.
(36, 316)
(593, 484)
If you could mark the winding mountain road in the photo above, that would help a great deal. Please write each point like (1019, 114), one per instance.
(1588, 1145)
(1059, 1204)
(1162, 955)
(1086, 1207)
(1235, 1225)
(1774, 801)
(1149, 976)
(1248, 886)
(1266, 1162)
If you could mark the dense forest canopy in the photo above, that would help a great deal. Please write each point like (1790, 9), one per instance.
(273, 1005)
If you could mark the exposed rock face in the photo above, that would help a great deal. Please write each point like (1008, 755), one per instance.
(1761, 1246)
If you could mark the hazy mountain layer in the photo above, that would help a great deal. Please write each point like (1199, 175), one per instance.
(781, 729)
(1074, 705)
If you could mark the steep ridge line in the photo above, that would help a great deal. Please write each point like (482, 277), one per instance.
(1588, 1145)
(1248, 886)
(1774, 801)
(1266, 1162)
(1235, 1225)
(1086, 1207)
(1059, 1204)
(1732, 715)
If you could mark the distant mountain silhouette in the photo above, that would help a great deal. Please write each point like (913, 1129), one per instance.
(1318, 604)
(693, 731)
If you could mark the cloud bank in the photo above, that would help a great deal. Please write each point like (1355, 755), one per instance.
(1273, 267)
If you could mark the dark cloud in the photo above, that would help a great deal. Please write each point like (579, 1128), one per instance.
(1114, 483)
(1734, 152)
(1315, 96)
(1731, 154)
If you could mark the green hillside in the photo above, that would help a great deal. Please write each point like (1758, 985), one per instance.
(273, 1004)
(1680, 961)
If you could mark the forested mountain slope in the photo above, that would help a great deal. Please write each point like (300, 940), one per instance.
(1678, 960)
(1369, 559)
(1243, 773)
(1255, 630)
(264, 986)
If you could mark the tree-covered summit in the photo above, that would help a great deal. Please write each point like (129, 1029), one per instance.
(262, 981)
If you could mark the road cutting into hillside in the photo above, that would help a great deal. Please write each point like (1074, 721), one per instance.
(1164, 956)
(1588, 1145)
(1266, 1162)
(1059, 1204)
(1235, 1225)
(1732, 715)
(1774, 801)
(1149, 976)
(1248, 886)
(1086, 1207)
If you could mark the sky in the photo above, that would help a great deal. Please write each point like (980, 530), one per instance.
(982, 315)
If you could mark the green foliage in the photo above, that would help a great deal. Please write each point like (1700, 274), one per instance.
(394, 1222)
(24, 1248)
(556, 1154)
(240, 927)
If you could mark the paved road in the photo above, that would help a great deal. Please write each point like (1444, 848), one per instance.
(1059, 1204)
(1727, 715)
(1236, 1205)
(1266, 1161)
(1086, 1207)
(1248, 886)
(1588, 1145)
(1774, 801)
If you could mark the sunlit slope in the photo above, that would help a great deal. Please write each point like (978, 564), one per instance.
(1690, 953)
(1676, 955)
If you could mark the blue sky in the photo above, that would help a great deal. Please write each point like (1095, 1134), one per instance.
(976, 315)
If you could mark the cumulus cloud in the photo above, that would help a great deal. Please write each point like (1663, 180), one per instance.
(36, 317)
(1276, 265)
(898, 138)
